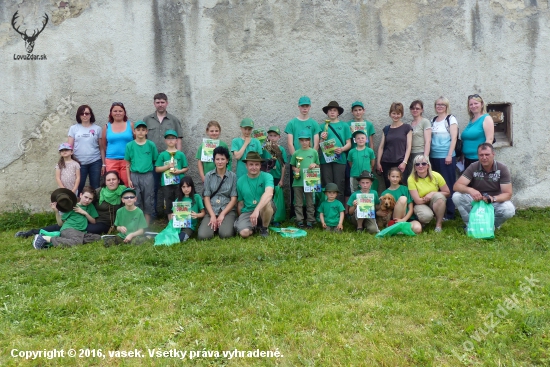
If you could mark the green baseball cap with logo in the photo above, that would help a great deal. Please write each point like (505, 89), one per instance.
(140, 123)
(304, 134)
(247, 122)
(170, 133)
(275, 129)
(304, 100)
(357, 103)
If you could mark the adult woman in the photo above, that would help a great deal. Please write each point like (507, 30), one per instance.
(107, 202)
(429, 191)
(116, 134)
(480, 129)
(85, 137)
(220, 197)
(421, 134)
(395, 147)
(442, 151)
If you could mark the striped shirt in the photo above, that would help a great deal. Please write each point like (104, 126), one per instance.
(225, 193)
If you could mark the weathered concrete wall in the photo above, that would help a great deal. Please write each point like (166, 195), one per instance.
(225, 60)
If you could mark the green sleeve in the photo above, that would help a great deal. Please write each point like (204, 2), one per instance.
(160, 160)
(370, 129)
(92, 211)
(154, 150)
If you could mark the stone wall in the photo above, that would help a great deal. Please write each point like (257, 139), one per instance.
(225, 60)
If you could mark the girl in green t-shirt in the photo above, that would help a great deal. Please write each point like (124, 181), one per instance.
(403, 210)
(188, 193)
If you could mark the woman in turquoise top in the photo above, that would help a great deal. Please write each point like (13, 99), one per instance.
(117, 133)
(480, 129)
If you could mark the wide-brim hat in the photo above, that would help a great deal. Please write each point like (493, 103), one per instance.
(365, 174)
(66, 199)
(333, 104)
(331, 187)
(253, 157)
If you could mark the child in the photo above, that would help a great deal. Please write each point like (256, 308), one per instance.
(310, 159)
(242, 146)
(365, 182)
(403, 210)
(67, 170)
(331, 211)
(213, 131)
(360, 158)
(278, 172)
(130, 222)
(358, 110)
(73, 221)
(170, 180)
(141, 155)
(338, 131)
(187, 193)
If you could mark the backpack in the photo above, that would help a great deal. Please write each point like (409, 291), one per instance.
(458, 145)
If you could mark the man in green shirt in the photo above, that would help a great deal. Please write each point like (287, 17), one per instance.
(255, 194)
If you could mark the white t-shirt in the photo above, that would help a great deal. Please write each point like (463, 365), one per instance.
(441, 138)
(86, 142)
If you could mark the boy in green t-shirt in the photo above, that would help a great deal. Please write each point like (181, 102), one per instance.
(172, 171)
(130, 222)
(141, 155)
(307, 158)
(365, 181)
(278, 171)
(244, 145)
(73, 220)
(360, 158)
(331, 211)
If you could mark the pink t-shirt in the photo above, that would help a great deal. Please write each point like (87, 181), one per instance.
(68, 174)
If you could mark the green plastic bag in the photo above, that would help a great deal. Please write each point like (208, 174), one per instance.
(289, 232)
(51, 234)
(279, 200)
(168, 236)
(397, 228)
(482, 220)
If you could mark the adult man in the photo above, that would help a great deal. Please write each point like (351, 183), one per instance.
(158, 123)
(255, 191)
(486, 180)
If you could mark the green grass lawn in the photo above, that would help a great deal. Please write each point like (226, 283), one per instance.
(324, 300)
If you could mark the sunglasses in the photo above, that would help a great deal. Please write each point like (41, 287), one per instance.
(85, 114)
(120, 104)
(474, 96)
(128, 197)
(415, 108)
(421, 164)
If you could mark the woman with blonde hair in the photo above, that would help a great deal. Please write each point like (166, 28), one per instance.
(429, 192)
(480, 129)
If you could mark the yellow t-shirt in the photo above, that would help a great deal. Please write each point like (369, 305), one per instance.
(424, 185)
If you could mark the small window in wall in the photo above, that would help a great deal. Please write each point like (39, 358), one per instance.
(501, 112)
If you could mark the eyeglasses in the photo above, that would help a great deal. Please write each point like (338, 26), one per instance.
(128, 197)
(415, 108)
(474, 96)
(85, 114)
(120, 104)
(421, 164)
(440, 105)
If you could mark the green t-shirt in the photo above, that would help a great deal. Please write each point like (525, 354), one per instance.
(276, 171)
(310, 156)
(331, 212)
(180, 162)
(253, 146)
(354, 196)
(360, 160)
(196, 207)
(250, 190)
(295, 126)
(370, 131)
(209, 166)
(78, 221)
(401, 191)
(342, 128)
(132, 220)
(141, 157)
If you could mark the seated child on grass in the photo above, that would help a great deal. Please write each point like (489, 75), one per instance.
(365, 182)
(130, 222)
(331, 211)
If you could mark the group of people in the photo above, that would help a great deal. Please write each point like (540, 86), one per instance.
(142, 164)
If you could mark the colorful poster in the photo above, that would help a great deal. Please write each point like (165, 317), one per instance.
(358, 126)
(208, 146)
(365, 206)
(169, 177)
(328, 148)
(261, 135)
(312, 179)
(182, 214)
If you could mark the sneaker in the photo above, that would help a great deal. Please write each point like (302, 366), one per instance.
(108, 240)
(150, 234)
(309, 225)
(23, 234)
(300, 225)
(437, 229)
(39, 242)
(264, 232)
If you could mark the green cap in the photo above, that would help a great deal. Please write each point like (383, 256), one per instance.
(170, 132)
(140, 123)
(275, 129)
(357, 103)
(128, 189)
(358, 132)
(331, 187)
(304, 100)
(304, 134)
(247, 122)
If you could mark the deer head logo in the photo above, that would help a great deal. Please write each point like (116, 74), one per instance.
(29, 40)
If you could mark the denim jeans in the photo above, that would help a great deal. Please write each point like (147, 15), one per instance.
(94, 171)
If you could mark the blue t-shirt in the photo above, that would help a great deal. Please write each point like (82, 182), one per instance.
(472, 136)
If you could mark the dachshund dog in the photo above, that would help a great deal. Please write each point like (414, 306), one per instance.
(387, 203)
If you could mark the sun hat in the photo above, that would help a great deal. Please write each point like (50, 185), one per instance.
(365, 174)
(333, 104)
(66, 199)
(253, 157)
(331, 187)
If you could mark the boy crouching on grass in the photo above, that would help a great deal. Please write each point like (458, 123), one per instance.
(331, 211)
(130, 222)
(365, 182)
(73, 220)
